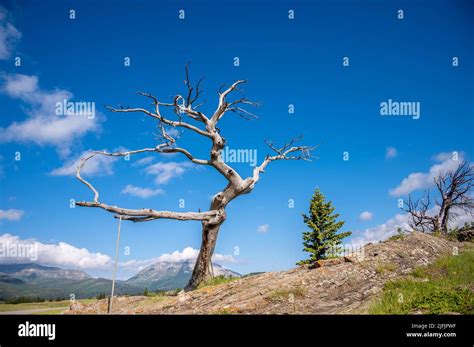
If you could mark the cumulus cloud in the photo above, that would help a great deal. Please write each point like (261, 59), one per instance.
(424, 180)
(264, 228)
(187, 253)
(131, 267)
(383, 231)
(43, 126)
(190, 253)
(391, 152)
(100, 165)
(143, 161)
(165, 171)
(9, 35)
(141, 192)
(62, 254)
(66, 255)
(366, 215)
(401, 220)
(11, 214)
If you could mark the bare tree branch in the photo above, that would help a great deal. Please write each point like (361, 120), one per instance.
(184, 107)
(283, 154)
(454, 189)
(180, 108)
(224, 106)
(149, 214)
(418, 210)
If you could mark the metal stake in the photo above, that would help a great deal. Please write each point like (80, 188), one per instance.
(115, 267)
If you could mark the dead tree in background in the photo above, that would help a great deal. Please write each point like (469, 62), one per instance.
(197, 122)
(454, 188)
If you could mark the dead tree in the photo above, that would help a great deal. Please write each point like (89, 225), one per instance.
(188, 117)
(419, 210)
(454, 189)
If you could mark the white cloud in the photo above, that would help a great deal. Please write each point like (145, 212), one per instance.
(383, 231)
(190, 253)
(389, 228)
(66, 255)
(61, 254)
(366, 215)
(43, 126)
(166, 171)
(131, 267)
(9, 35)
(264, 228)
(11, 214)
(100, 165)
(223, 258)
(391, 152)
(460, 218)
(143, 161)
(141, 192)
(421, 180)
(443, 156)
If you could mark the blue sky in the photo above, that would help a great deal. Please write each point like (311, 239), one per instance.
(297, 62)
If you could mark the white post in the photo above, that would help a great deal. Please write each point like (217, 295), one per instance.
(115, 267)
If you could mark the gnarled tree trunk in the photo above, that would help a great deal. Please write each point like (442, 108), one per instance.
(203, 268)
(454, 188)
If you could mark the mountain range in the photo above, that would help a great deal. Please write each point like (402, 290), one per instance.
(35, 280)
(171, 275)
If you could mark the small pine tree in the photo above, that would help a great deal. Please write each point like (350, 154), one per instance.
(324, 227)
(145, 292)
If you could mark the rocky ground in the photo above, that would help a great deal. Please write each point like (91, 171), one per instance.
(338, 287)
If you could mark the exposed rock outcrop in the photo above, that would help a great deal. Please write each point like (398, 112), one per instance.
(345, 286)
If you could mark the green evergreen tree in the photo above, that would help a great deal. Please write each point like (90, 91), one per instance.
(145, 292)
(324, 227)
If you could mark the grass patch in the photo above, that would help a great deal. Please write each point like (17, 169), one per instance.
(395, 238)
(40, 305)
(217, 280)
(168, 292)
(225, 311)
(157, 298)
(284, 294)
(400, 235)
(33, 305)
(449, 288)
(384, 267)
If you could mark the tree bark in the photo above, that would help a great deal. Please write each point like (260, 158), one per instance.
(202, 269)
(445, 219)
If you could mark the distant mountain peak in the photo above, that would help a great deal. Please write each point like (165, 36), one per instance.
(35, 280)
(31, 271)
(166, 275)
